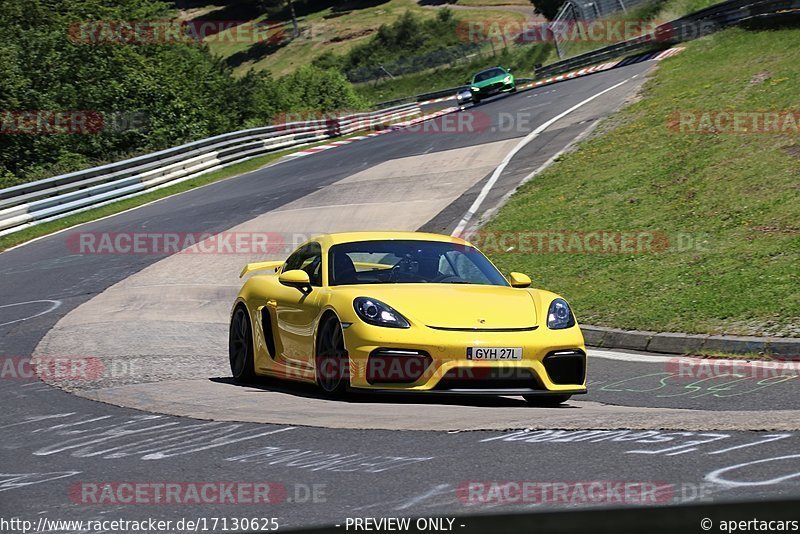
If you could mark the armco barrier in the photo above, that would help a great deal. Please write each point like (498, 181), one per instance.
(32, 203)
(692, 26)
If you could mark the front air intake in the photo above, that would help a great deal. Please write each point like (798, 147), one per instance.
(396, 366)
(566, 366)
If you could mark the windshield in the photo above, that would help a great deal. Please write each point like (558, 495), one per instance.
(488, 74)
(398, 262)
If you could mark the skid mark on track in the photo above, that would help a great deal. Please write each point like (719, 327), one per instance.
(12, 481)
(150, 437)
(325, 461)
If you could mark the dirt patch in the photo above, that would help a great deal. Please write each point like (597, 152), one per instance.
(761, 77)
(777, 229)
(352, 35)
(792, 150)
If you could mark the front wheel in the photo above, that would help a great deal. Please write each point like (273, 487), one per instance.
(549, 401)
(240, 346)
(332, 362)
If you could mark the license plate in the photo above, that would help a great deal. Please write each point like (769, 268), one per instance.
(494, 353)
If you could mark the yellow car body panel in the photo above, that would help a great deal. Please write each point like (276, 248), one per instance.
(445, 320)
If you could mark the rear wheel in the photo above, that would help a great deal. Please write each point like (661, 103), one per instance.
(240, 346)
(549, 401)
(332, 363)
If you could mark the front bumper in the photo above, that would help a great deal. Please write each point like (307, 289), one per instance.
(441, 365)
(494, 89)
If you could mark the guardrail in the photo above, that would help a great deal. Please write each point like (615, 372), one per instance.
(36, 202)
(692, 26)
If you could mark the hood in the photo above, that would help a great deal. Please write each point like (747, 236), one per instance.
(456, 306)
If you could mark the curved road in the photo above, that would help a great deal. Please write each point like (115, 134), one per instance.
(157, 324)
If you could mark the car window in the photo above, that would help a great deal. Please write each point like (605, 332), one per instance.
(309, 259)
(462, 266)
(410, 261)
(487, 74)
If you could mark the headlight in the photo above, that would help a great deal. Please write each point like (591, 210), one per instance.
(377, 313)
(559, 315)
(507, 79)
(474, 89)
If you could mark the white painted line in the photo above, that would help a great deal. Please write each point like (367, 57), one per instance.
(628, 357)
(53, 305)
(465, 220)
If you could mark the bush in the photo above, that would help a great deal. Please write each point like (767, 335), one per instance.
(407, 36)
(311, 88)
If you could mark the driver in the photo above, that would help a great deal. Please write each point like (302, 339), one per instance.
(418, 266)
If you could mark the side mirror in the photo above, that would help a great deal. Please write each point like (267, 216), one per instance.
(297, 279)
(508, 71)
(519, 280)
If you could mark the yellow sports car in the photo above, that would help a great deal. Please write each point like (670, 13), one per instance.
(404, 311)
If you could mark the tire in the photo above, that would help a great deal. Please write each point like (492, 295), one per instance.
(331, 360)
(240, 346)
(549, 401)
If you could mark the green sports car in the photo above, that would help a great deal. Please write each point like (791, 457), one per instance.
(491, 82)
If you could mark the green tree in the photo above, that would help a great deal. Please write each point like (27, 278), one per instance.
(548, 8)
(184, 92)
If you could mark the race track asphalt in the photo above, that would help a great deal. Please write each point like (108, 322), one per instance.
(53, 441)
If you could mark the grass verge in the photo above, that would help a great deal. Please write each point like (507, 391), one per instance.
(520, 59)
(728, 204)
(329, 28)
(658, 11)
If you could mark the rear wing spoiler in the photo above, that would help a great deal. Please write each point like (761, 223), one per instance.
(260, 266)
